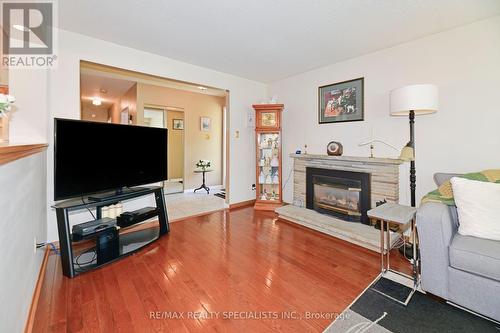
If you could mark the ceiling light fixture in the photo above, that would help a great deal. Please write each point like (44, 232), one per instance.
(103, 91)
(202, 88)
(96, 101)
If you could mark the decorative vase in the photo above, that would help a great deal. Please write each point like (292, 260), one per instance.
(269, 179)
(4, 128)
(262, 178)
(275, 162)
(276, 178)
(263, 196)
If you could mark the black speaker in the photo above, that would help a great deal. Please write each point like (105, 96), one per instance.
(108, 246)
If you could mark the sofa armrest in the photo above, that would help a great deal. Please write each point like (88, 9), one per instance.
(436, 226)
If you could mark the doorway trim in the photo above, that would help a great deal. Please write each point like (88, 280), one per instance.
(165, 109)
(122, 73)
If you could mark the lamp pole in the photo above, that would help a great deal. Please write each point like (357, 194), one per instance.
(413, 177)
(409, 101)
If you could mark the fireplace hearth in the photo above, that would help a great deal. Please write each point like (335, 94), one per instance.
(378, 180)
(342, 194)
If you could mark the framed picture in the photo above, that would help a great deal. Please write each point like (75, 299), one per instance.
(205, 124)
(178, 124)
(340, 102)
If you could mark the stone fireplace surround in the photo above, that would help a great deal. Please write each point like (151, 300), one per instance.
(384, 175)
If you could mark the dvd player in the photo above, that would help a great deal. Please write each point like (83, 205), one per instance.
(130, 218)
(91, 228)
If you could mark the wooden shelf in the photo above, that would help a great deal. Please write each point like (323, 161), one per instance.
(11, 151)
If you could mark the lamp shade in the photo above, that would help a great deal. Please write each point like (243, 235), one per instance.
(421, 98)
(407, 153)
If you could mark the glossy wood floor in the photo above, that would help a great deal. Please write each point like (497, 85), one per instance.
(240, 263)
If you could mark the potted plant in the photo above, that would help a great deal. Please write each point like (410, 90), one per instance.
(5, 106)
(203, 165)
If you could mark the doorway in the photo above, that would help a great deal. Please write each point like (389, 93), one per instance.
(196, 116)
(173, 120)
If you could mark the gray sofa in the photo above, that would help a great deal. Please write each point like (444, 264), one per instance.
(462, 269)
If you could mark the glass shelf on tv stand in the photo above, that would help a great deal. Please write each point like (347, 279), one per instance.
(87, 256)
(78, 256)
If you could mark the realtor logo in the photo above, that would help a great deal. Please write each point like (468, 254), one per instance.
(29, 29)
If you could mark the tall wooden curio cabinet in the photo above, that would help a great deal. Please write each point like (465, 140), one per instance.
(268, 157)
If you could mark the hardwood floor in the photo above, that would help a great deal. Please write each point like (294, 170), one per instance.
(227, 268)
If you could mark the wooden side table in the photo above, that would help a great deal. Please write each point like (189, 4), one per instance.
(401, 215)
(203, 185)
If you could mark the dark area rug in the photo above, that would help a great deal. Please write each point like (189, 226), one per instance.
(392, 289)
(373, 312)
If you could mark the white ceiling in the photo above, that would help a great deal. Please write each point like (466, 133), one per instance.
(91, 84)
(267, 40)
(117, 81)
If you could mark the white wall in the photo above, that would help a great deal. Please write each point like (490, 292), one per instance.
(29, 121)
(64, 100)
(23, 207)
(463, 136)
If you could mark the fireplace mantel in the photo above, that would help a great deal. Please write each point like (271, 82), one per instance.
(357, 159)
(384, 174)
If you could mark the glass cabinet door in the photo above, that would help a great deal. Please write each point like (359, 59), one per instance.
(268, 166)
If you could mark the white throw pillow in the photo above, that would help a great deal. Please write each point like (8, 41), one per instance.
(478, 206)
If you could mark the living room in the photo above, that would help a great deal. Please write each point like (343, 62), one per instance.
(358, 134)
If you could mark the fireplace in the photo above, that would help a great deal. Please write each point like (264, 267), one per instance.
(343, 194)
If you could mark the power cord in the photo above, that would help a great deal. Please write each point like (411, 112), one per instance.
(80, 264)
(93, 216)
(52, 246)
(287, 179)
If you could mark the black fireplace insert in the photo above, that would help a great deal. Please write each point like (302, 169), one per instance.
(343, 194)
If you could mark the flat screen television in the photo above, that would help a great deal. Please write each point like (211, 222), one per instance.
(92, 157)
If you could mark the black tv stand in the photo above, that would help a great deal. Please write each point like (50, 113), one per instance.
(123, 192)
(107, 246)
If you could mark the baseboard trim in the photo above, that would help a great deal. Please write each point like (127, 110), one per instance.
(242, 204)
(36, 294)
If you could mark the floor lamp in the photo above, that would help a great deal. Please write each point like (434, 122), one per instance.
(411, 101)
